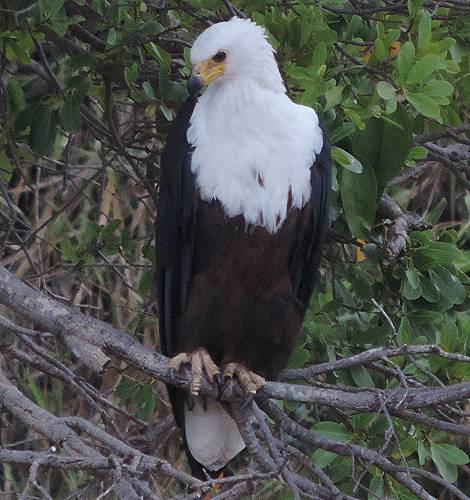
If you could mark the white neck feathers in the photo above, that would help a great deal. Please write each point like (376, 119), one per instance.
(253, 150)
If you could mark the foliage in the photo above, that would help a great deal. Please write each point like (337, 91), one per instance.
(81, 84)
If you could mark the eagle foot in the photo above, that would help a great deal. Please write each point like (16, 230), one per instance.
(200, 362)
(248, 380)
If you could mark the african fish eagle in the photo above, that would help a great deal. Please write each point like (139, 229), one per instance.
(242, 217)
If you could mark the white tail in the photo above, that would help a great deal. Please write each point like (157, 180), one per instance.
(212, 435)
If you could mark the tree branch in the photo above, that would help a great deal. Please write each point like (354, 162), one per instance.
(62, 321)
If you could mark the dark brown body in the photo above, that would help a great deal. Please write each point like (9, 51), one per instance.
(241, 302)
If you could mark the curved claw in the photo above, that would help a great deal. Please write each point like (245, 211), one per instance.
(249, 381)
(200, 362)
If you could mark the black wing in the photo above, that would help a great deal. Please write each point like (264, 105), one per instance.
(315, 224)
(174, 228)
(174, 231)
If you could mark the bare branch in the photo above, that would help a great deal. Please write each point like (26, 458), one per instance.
(402, 224)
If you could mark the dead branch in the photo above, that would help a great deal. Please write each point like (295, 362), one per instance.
(65, 322)
(61, 321)
(403, 223)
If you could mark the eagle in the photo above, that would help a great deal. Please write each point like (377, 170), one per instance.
(242, 217)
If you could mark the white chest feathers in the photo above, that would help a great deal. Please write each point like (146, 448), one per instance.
(253, 152)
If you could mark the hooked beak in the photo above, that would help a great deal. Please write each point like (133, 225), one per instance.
(195, 84)
(203, 73)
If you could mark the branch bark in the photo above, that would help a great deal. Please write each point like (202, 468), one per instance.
(403, 223)
(65, 322)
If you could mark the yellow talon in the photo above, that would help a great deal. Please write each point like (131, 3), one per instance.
(200, 362)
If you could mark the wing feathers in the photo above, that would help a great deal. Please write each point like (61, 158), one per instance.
(173, 222)
(307, 256)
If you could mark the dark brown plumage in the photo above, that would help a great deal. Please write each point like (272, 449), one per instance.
(240, 292)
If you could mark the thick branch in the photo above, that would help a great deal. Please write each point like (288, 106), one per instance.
(61, 320)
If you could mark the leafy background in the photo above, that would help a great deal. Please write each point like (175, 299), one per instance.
(88, 91)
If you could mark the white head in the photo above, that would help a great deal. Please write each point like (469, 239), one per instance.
(235, 50)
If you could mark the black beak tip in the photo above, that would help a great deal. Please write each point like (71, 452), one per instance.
(195, 84)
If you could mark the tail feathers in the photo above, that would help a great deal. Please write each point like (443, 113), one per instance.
(212, 435)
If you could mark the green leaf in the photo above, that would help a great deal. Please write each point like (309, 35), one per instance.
(354, 117)
(160, 55)
(344, 130)
(414, 6)
(376, 488)
(146, 401)
(379, 28)
(43, 130)
(375, 335)
(112, 37)
(384, 145)
(434, 215)
(145, 283)
(15, 95)
(405, 60)
(126, 388)
(422, 453)
(425, 105)
(443, 253)
(359, 195)
(391, 105)
(424, 29)
(108, 229)
(463, 86)
(323, 458)
(333, 97)
(299, 357)
(418, 153)
(448, 337)
(386, 91)
(424, 68)
(49, 8)
(451, 453)
(332, 430)
(38, 395)
(379, 51)
(361, 377)
(438, 88)
(319, 57)
(6, 168)
(148, 89)
(17, 50)
(410, 293)
(346, 160)
(413, 277)
(131, 73)
(452, 67)
(69, 251)
(447, 457)
(166, 112)
(70, 114)
(448, 285)
(78, 62)
(340, 470)
(405, 331)
(429, 291)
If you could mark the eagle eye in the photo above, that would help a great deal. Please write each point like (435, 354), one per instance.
(220, 56)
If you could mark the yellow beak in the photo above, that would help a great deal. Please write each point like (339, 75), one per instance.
(209, 70)
(204, 73)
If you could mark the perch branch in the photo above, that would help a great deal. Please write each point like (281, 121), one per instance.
(62, 321)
